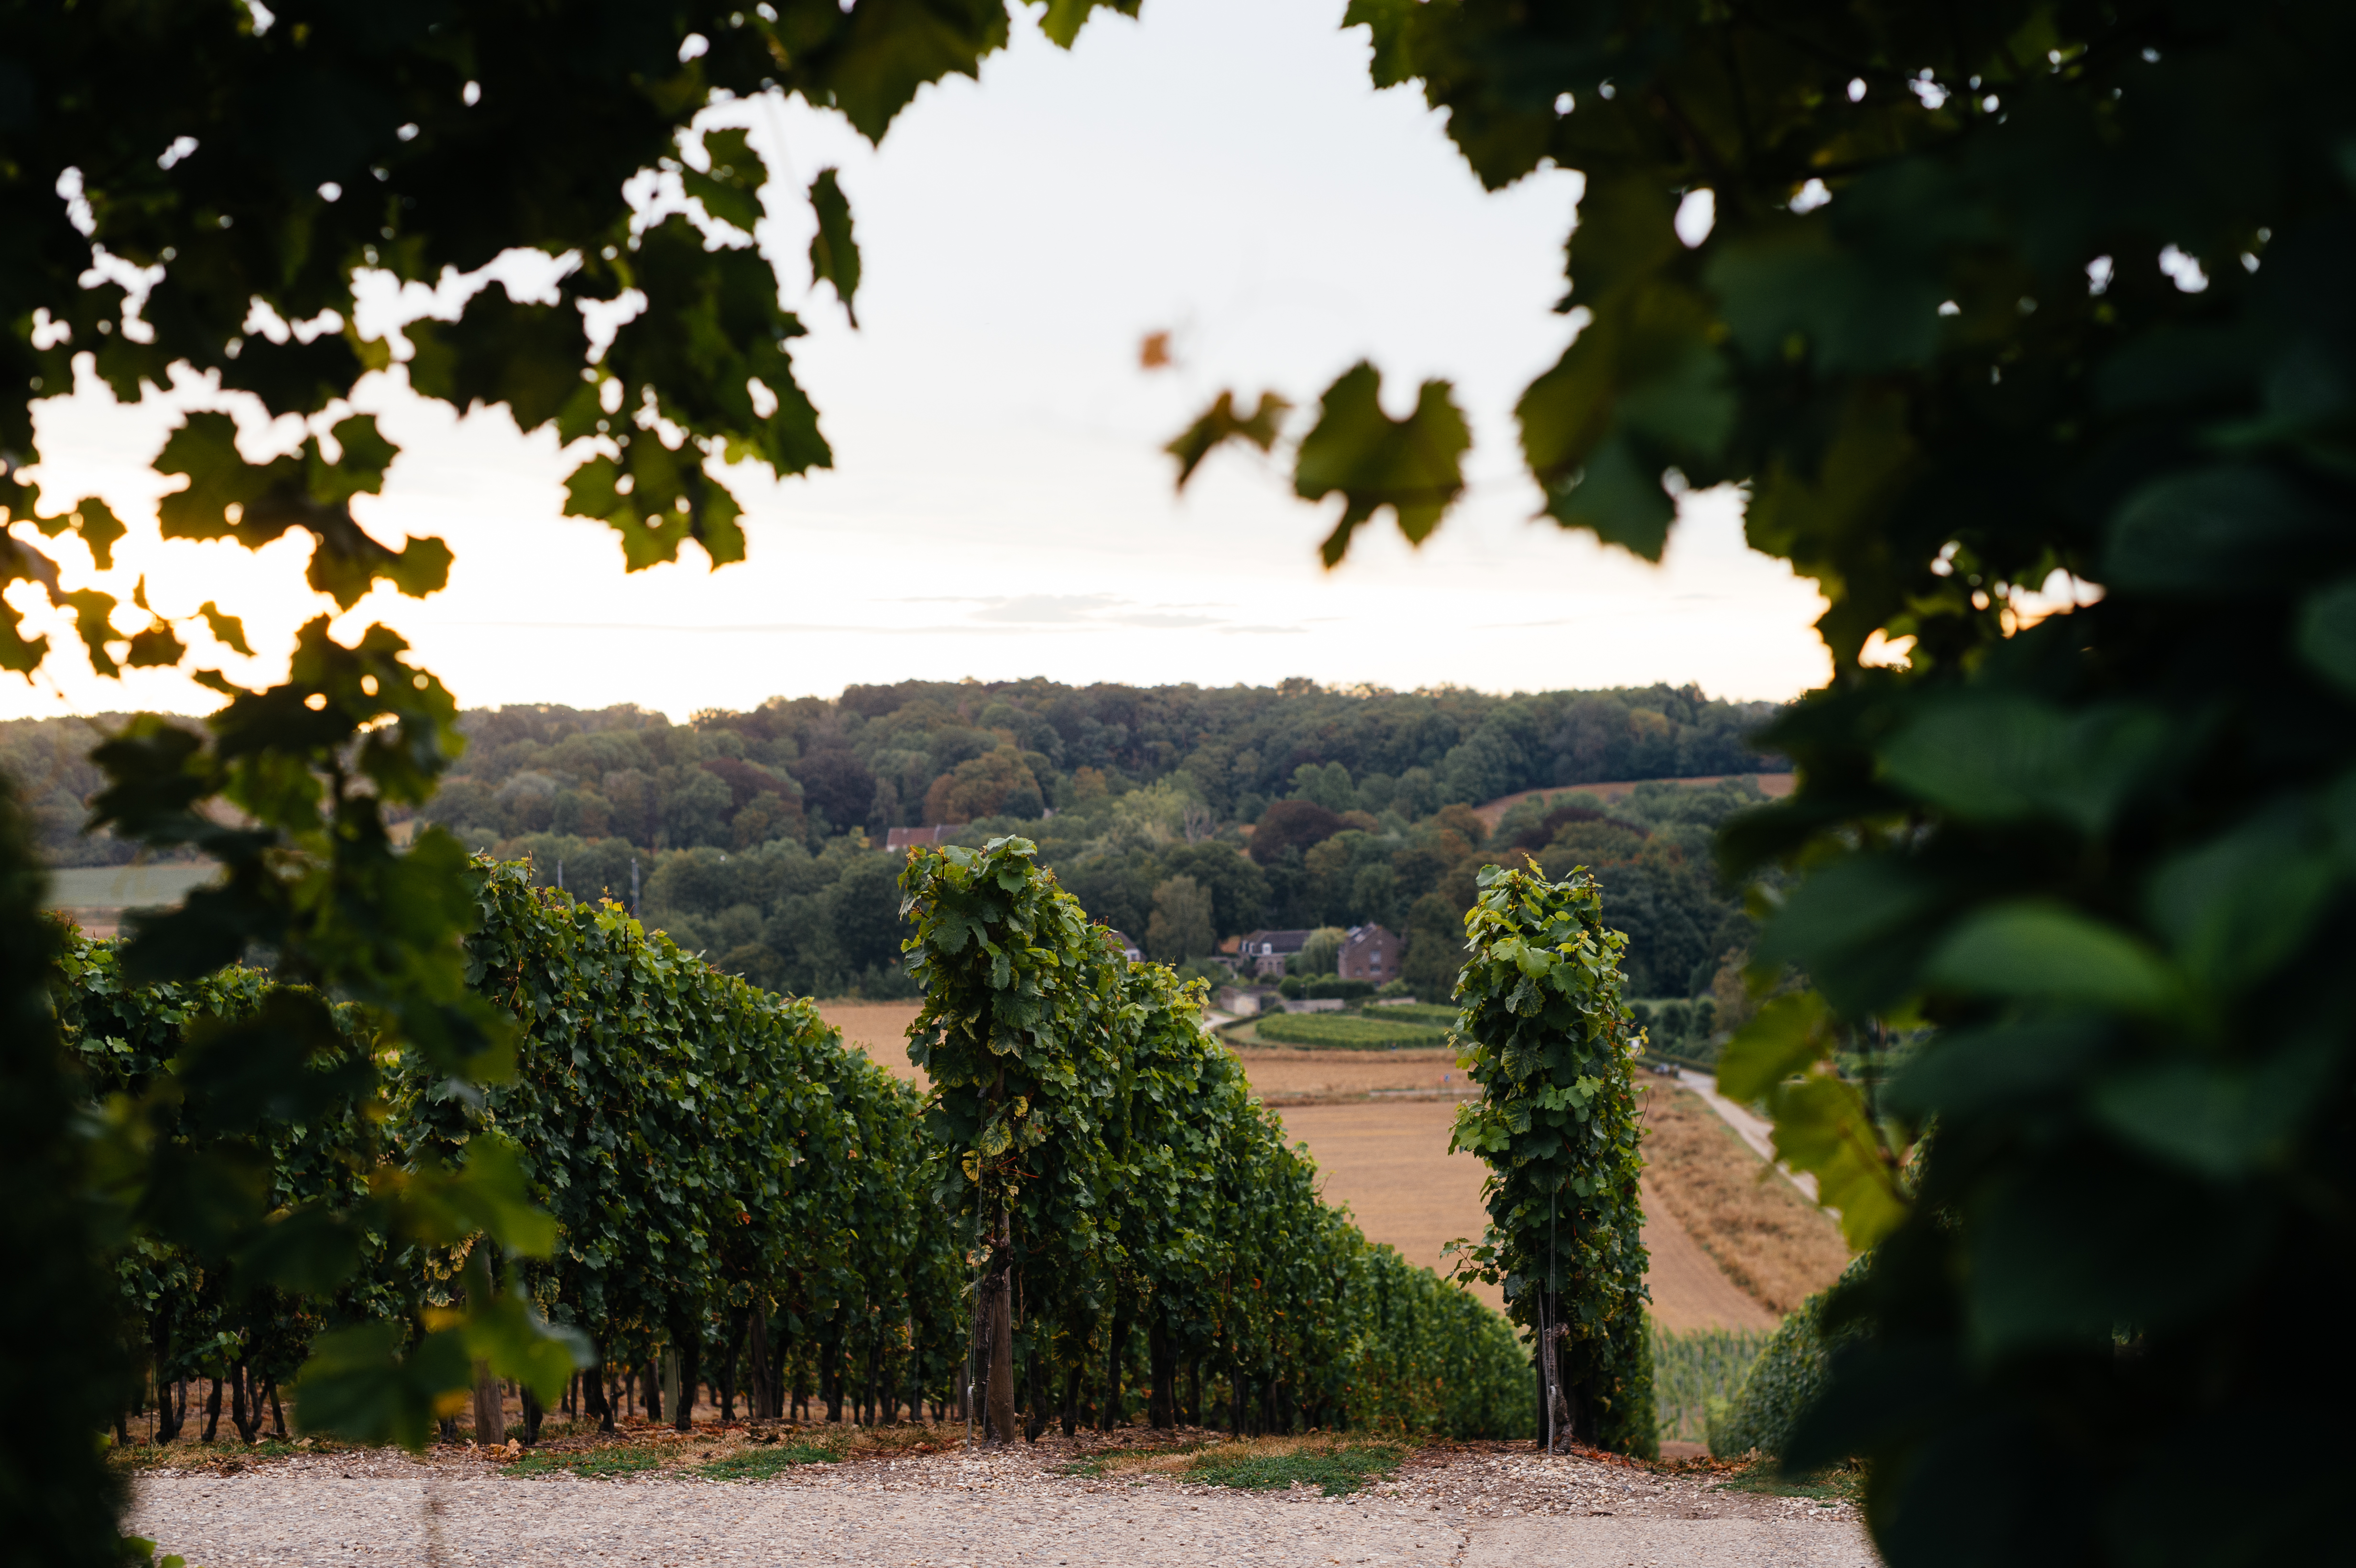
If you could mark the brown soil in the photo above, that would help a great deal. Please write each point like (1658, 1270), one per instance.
(1767, 1238)
(878, 1029)
(1388, 1160)
(1689, 1290)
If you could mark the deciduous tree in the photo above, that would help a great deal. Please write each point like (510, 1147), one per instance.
(1180, 928)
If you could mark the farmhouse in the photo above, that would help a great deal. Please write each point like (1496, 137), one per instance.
(1369, 952)
(1265, 951)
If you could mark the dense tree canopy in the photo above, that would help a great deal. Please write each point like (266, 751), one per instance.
(194, 191)
(878, 757)
(730, 822)
(813, 912)
(2027, 324)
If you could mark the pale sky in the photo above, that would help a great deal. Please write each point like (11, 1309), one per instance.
(1000, 506)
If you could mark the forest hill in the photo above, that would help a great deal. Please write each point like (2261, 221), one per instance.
(755, 834)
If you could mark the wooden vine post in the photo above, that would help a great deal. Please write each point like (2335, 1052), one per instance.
(1545, 1034)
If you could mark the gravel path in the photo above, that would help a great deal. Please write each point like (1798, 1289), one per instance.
(1460, 1510)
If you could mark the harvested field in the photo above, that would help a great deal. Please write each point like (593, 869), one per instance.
(1283, 1077)
(126, 887)
(1377, 1124)
(1388, 1160)
(1689, 1290)
(1767, 1238)
(878, 1029)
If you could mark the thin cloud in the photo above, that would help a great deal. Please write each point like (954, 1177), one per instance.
(1046, 609)
(1081, 610)
(773, 628)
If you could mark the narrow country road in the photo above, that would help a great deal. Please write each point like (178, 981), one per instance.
(1748, 1125)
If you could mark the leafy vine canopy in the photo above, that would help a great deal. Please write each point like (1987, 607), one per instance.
(203, 197)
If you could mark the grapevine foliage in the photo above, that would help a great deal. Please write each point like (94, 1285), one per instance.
(709, 1150)
(1546, 1038)
(699, 1152)
(1125, 1179)
(59, 1495)
(209, 191)
(716, 1171)
(201, 1291)
(1017, 1034)
(2026, 328)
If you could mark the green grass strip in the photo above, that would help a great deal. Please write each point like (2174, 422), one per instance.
(1335, 1472)
(594, 1464)
(1432, 1015)
(1827, 1487)
(760, 1463)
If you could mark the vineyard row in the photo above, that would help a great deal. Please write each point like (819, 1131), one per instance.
(743, 1202)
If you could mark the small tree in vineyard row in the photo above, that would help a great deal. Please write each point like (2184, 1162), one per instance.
(1545, 1034)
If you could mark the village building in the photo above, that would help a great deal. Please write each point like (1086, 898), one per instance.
(1370, 952)
(1264, 951)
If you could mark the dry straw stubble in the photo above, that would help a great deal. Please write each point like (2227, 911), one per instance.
(1769, 1239)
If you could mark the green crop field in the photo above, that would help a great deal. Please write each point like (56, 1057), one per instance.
(1345, 1031)
(1440, 1015)
(1689, 1370)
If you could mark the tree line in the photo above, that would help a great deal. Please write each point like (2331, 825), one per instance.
(752, 838)
(809, 769)
(1147, 861)
(827, 923)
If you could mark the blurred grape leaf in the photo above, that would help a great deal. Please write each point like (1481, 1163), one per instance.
(1220, 424)
(833, 251)
(2044, 952)
(1414, 465)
